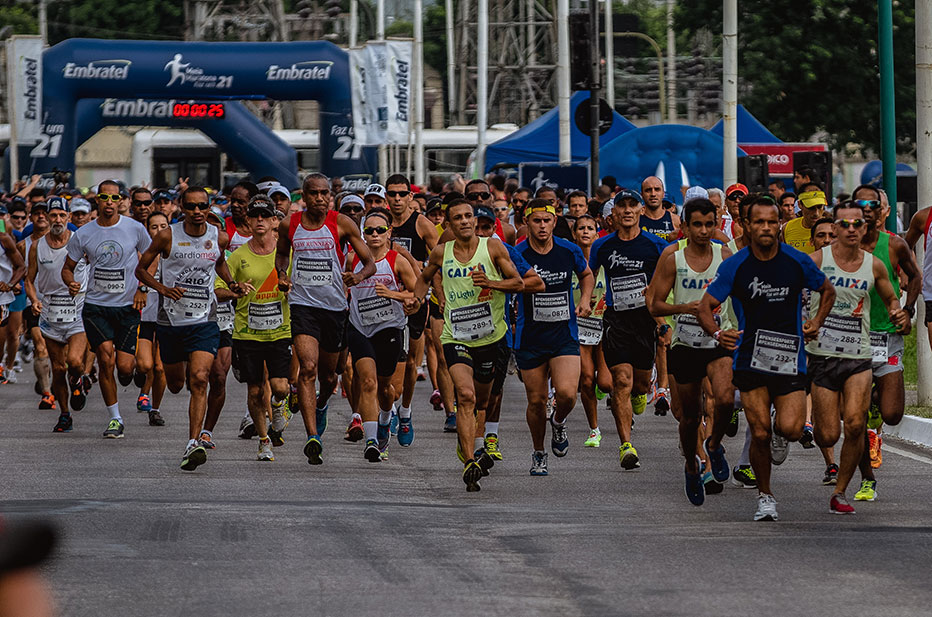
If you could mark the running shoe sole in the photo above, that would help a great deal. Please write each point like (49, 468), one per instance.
(372, 454)
(276, 437)
(312, 450)
(194, 459)
(484, 461)
(354, 433)
(471, 476)
(630, 461)
(78, 399)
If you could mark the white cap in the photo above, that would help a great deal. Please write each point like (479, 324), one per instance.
(278, 188)
(352, 199)
(376, 189)
(607, 209)
(694, 192)
(79, 204)
(265, 186)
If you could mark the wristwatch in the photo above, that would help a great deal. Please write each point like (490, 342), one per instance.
(143, 289)
(663, 329)
(910, 310)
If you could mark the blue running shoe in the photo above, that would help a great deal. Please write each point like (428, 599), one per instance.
(393, 424)
(717, 463)
(322, 419)
(383, 435)
(313, 449)
(405, 432)
(695, 489)
(449, 426)
(559, 441)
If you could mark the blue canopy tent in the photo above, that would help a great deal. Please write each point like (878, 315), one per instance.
(678, 154)
(750, 130)
(539, 141)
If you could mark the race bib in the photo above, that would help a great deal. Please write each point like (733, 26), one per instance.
(590, 330)
(402, 242)
(313, 272)
(194, 304)
(265, 316)
(225, 316)
(628, 291)
(551, 306)
(109, 280)
(840, 335)
(775, 352)
(473, 322)
(689, 331)
(879, 348)
(60, 309)
(375, 310)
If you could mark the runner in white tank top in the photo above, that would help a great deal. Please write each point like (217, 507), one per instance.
(310, 242)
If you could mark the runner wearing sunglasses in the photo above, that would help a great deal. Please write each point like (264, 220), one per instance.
(141, 204)
(798, 232)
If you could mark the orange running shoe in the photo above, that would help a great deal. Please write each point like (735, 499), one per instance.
(47, 402)
(875, 441)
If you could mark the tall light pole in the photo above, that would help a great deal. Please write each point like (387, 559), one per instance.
(482, 85)
(671, 66)
(419, 92)
(563, 79)
(609, 56)
(730, 92)
(594, 94)
(887, 106)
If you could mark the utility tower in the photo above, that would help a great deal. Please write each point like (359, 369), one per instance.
(246, 20)
(522, 60)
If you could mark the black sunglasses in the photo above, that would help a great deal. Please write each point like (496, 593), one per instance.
(397, 193)
(142, 202)
(478, 195)
(200, 205)
(353, 209)
(381, 229)
(735, 195)
(846, 223)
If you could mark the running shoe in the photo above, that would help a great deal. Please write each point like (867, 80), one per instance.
(64, 424)
(383, 434)
(874, 442)
(436, 400)
(867, 492)
(405, 432)
(393, 423)
(372, 453)
(279, 416)
(354, 431)
(551, 404)
(78, 393)
(662, 404)
(779, 449)
(47, 401)
(265, 450)
(874, 417)
(143, 404)
(247, 430)
(831, 475)
(194, 456)
(321, 417)
(472, 473)
(599, 395)
(638, 403)
(275, 437)
(459, 452)
(732, 429)
(139, 379)
(18, 364)
(652, 391)
(807, 440)
(206, 439)
(449, 425)
(838, 504)
(9, 376)
(294, 403)
(711, 486)
(114, 430)
(539, 463)
(89, 380)
(490, 443)
(628, 456)
(484, 461)
(695, 489)
(313, 449)
(766, 508)
(717, 462)
(594, 439)
(421, 376)
(155, 418)
(559, 440)
(743, 477)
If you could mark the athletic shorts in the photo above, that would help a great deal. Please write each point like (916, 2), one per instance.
(530, 356)
(501, 367)
(176, 343)
(384, 347)
(60, 332)
(434, 310)
(928, 317)
(118, 324)
(777, 385)
(629, 337)
(894, 361)
(417, 322)
(689, 364)
(328, 327)
(481, 359)
(147, 330)
(19, 304)
(226, 339)
(832, 373)
(30, 319)
(251, 359)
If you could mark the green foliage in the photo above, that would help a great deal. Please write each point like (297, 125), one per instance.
(22, 20)
(116, 19)
(400, 28)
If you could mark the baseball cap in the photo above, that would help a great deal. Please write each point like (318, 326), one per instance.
(260, 205)
(607, 209)
(265, 186)
(216, 212)
(278, 188)
(696, 191)
(56, 203)
(25, 544)
(79, 204)
(162, 194)
(736, 187)
(375, 189)
(628, 194)
(40, 205)
(484, 212)
(812, 199)
(350, 200)
(434, 204)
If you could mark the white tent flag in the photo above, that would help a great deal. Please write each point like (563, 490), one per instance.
(362, 126)
(380, 75)
(24, 60)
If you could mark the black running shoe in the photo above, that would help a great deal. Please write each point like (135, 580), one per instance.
(78, 392)
(471, 475)
(484, 461)
(732, 429)
(64, 424)
(155, 418)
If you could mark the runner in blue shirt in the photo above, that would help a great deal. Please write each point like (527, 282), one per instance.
(765, 281)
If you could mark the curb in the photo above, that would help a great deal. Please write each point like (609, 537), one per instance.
(913, 429)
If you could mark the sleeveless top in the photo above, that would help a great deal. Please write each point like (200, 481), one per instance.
(927, 261)
(368, 312)
(191, 265)
(590, 328)
(406, 235)
(471, 316)
(846, 331)
(58, 306)
(880, 318)
(236, 238)
(689, 286)
(6, 273)
(150, 312)
(316, 258)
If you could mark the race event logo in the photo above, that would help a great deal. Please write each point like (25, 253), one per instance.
(309, 70)
(183, 73)
(98, 69)
(108, 254)
(760, 288)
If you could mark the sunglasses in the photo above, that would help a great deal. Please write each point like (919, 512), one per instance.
(316, 192)
(397, 193)
(142, 202)
(18, 217)
(221, 202)
(867, 203)
(108, 197)
(501, 209)
(478, 195)
(846, 223)
(353, 209)
(519, 202)
(200, 205)
(735, 196)
(369, 231)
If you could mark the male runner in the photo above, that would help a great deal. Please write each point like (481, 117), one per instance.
(655, 218)
(796, 232)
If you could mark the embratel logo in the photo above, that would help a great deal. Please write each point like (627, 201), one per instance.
(183, 73)
(309, 70)
(98, 69)
(139, 108)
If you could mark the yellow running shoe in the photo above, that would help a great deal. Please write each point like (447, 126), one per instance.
(639, 403)
(595, 438)
(459, 451)
(491, 446)
(867, 492)
(628, 456)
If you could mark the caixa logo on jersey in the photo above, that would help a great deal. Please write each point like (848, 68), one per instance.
(98, 69)
(309, 70)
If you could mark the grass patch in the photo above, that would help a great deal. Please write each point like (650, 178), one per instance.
(910, 370)
(916, 410)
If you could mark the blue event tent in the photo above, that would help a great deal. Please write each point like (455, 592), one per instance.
(750, 130)
(539, 140)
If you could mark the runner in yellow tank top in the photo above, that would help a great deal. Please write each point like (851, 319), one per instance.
(798, 232)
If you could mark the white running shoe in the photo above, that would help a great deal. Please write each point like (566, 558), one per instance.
(279, 421)
(265, 450)
(766, 508)
(9, 375)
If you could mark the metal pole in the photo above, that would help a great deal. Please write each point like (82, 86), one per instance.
(563, 78)
(671, 66)
(353, 22)
(451, 63)
(419, 92)
(44, 22)
(887, 107)
(924, 180)
(609, 56)
(482, 86)
(730, 92)
(11, 65)
(380, 35)
(594, 93)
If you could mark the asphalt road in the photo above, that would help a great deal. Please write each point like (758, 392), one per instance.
(240, 537)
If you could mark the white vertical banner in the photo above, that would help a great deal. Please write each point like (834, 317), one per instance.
(400, 55)
(381, 81)
(361, 122)
(24, 60)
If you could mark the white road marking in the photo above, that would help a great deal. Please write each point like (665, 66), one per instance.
(907, 454)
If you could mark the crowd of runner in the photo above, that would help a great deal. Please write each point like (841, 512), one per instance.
(784, 306)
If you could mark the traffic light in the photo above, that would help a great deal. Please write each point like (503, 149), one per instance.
(332, 8)
(304, 8)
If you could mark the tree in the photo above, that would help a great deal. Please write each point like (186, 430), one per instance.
(116, 19)
(22, 20)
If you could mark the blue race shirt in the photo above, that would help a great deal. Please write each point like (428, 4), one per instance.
(629, 266)
(766, 295)
(27, 230)
(547, 320)
(523, 267)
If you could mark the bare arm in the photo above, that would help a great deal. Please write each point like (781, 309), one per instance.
(406, 275)
(427, 231)
(885, 290)
(511, 281)
(32, 269)
(660, 286)
(727, 339)
(350, 232)
(906, 260)
(283, 255)
(826, 302)
(19, 264)
(434, 263)
(586, 285)
(917, 226)
(159, 246)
